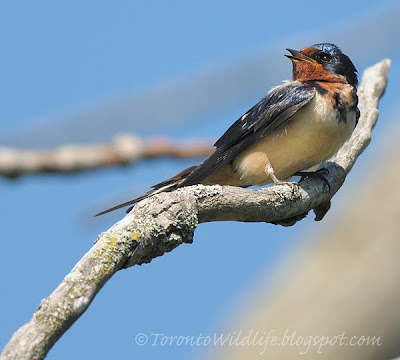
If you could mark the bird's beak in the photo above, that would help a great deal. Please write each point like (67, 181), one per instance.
(299, 56)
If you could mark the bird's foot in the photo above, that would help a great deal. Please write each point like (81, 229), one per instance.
(320, 174)
(292, 184)
(270, 172)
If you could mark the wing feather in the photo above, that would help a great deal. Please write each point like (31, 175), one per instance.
(271, 112)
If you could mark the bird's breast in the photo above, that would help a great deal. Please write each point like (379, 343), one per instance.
(311, 136)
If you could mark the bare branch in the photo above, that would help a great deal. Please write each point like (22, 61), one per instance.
(161, 223)
(124, 149)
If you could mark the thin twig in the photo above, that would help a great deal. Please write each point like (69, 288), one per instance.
(122, 150)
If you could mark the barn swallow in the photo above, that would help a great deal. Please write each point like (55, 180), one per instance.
(297, 125)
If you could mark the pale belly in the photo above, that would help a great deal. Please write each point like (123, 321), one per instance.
(311, 137)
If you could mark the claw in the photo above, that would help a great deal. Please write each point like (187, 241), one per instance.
(292, 184)
(270, 172)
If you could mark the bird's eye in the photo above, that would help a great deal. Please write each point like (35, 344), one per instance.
(324, 57)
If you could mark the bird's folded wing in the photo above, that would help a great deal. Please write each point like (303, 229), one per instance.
(271, 112)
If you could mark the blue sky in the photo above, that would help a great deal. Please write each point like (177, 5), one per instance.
(60, 60)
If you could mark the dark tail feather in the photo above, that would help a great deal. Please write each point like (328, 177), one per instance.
(130, 202)
(167, 185)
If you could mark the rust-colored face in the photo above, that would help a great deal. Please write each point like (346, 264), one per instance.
(308, 64)
(324, 62)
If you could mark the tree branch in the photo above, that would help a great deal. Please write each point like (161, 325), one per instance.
(161, 223)
(123, 149)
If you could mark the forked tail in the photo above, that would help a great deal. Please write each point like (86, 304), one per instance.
(165, 186)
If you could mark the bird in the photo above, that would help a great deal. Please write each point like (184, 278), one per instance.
(295, 126)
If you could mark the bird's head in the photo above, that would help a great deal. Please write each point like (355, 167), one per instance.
(324, 62)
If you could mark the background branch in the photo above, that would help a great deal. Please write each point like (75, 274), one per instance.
(122, 150)
(162, 222)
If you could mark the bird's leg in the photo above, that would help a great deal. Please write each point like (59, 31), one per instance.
(320, 173)
(294, 219)
(270, 171)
